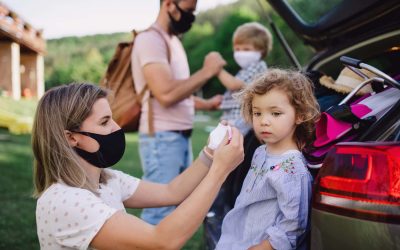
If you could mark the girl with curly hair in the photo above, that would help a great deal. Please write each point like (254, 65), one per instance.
(272, 209)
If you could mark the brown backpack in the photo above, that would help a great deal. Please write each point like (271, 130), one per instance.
(125, 102)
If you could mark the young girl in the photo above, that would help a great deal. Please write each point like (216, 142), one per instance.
(81, 202)
(271, 211)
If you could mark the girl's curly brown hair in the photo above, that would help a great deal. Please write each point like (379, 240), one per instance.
(300, 91)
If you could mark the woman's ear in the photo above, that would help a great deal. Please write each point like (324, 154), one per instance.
(71, 138)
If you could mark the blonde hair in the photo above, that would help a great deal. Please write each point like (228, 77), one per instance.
(255, 34)
(299, 90)
(61, 108)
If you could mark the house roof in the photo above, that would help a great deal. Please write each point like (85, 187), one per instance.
(13, 28)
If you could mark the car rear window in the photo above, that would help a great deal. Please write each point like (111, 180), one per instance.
(392, 134)
(312, 10)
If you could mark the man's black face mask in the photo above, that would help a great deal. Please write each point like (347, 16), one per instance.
(184, 23)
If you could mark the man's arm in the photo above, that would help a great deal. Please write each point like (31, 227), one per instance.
(168, 91)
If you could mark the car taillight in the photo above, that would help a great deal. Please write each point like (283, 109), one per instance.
(360, 180)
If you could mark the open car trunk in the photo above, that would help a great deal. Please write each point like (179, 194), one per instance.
(345, 20)
(368, 30)
(365, 29)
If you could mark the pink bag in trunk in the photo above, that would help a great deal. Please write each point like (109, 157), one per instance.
(345, 122)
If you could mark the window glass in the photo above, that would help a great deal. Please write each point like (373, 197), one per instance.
(392, 134)
(312, 10)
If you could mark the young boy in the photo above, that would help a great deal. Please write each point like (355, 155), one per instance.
(251, 44)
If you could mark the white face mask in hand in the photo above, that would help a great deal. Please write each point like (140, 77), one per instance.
(218, 134)
(245, 58)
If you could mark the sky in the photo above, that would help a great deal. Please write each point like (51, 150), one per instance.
(59, 18)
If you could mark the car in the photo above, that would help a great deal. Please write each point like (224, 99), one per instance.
(356, 191)
(356, 195)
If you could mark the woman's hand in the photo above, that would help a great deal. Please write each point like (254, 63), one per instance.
(217, 135)
(229, 153)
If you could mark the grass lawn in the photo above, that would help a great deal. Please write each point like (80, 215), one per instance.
(17, 215)
(17, 116)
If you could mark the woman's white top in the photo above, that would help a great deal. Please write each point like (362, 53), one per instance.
(70, 217)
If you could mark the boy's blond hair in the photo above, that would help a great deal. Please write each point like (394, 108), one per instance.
(300, 93)
(255, 34)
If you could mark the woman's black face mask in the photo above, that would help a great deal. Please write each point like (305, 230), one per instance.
(111, 150)
(184, 23)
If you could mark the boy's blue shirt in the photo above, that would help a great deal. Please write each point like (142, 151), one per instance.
(230, 106)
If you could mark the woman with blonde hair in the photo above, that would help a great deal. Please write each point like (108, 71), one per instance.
(81, 201)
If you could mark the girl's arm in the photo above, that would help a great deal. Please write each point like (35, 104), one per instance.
(293, 197)
(229, 81)
(264, 245)
(124, 231)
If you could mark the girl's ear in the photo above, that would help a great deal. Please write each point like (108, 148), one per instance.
(71, 138)
(299, 120)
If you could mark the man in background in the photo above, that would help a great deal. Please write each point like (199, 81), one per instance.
(159, 62)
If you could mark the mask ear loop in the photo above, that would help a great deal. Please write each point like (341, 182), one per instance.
(179, 8)
(182, 11)
(85, 134)
(80, 132)
(229, 134)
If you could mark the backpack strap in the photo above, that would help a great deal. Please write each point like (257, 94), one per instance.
(150, 110)
(165, 42)
(141, 94)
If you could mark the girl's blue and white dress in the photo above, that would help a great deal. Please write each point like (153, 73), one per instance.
(273, 204)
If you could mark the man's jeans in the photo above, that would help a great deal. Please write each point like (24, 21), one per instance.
(163, 157)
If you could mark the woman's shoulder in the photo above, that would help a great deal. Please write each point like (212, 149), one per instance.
(64, 212)
(117, 176)
(60, 192)
(60, 200)
(122, 184)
